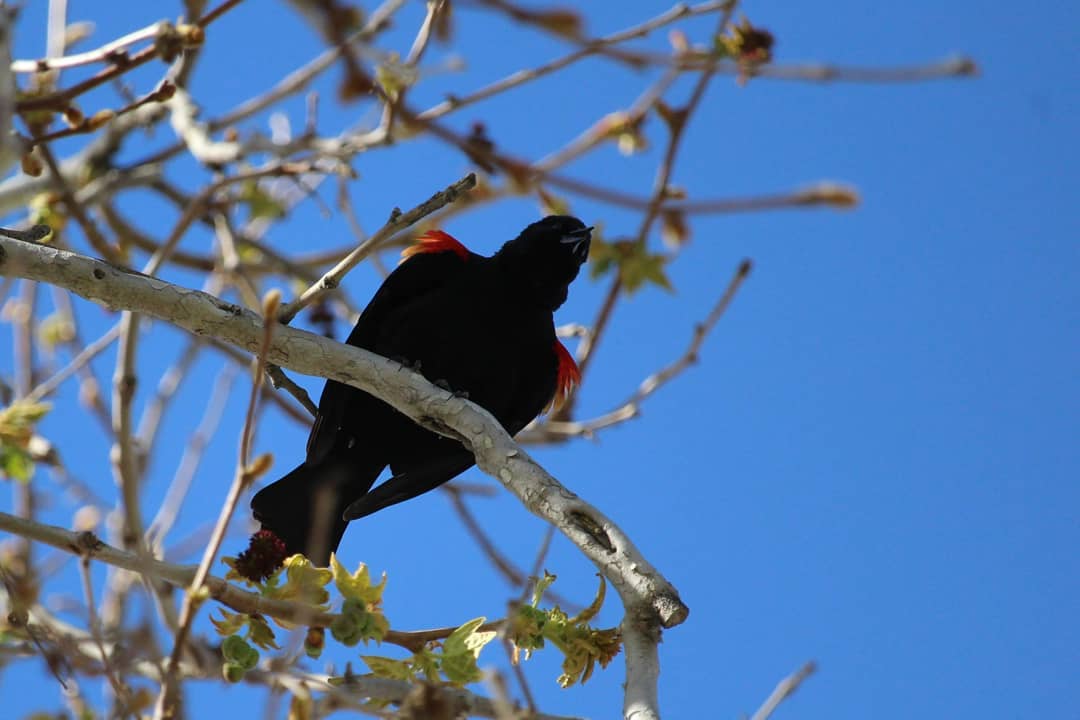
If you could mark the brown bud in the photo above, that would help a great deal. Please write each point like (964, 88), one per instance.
(190, 35)
(166, 91)
(271, 302)
(259, 466)
(838, 196)
(100, 119)
(73, 116)
(31, 165)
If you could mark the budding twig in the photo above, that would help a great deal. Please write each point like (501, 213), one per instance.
(168, 700)
(110, 52)
(629, 408)
(242, 601)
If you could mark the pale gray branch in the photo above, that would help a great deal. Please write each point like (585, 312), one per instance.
(650, 601)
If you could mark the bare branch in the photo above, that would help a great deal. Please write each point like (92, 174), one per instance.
(649, 600)
(60, 99)
(398, 221)
(784, 689)
(182, 576)
(189, 463)
(629, 408)
(168, 700)
(118, 687)
(109, 52)
(91, 188)
(677, 120)
(281, 380)
(496, 453)
(591, 47)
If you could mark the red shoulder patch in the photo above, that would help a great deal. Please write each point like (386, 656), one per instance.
(436, 241)
(567, 378)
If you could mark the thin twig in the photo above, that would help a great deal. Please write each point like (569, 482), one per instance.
(590, 47)
(300, 78)
(242, 601)
(291, 410)
(398, 221)
(19, 616)
(281, 380)
(168, 384)
(168, 700)
(90, 229)
(784, 689)
(60, 99)
(629, 408)
(506, 567)
(22, 346)
(109, 52)
(677, 122)
(122, 695)
(89, 387)
(124, 454)
(189, 462)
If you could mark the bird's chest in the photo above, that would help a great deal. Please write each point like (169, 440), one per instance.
(473, 338)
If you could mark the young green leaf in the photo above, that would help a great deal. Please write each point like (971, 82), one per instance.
(303, 582)
(260, 633)
(389, 668)
(594, 607)
(542, 584)
(236, 650)
(16, 464)
(357, 585)
(461, 649)
(230, 623)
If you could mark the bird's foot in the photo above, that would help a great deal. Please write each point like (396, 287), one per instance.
(445, 385)
(406, 362)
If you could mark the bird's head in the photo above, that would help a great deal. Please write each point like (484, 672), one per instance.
(546, 256)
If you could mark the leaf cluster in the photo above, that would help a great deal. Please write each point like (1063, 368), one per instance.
(582, 645)
(17, 423)
(299, 581)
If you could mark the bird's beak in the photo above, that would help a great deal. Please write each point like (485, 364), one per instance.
(580, 241)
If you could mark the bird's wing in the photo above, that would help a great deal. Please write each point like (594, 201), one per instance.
(427, 266)
(434, 469)
(533, 399)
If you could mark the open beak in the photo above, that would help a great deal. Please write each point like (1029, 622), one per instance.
(579, 239)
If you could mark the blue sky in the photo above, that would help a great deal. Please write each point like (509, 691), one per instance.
(874, 465)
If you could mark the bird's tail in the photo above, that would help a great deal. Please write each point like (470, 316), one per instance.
(305, 507)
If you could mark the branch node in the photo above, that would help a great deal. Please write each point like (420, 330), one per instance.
(86, 544)
(593, 529)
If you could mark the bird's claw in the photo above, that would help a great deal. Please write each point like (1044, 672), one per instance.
(445, 385)
(406, 362)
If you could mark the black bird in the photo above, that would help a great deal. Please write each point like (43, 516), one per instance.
(479, 326)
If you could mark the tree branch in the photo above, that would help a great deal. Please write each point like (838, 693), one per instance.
(650, 601)
(88, 545)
